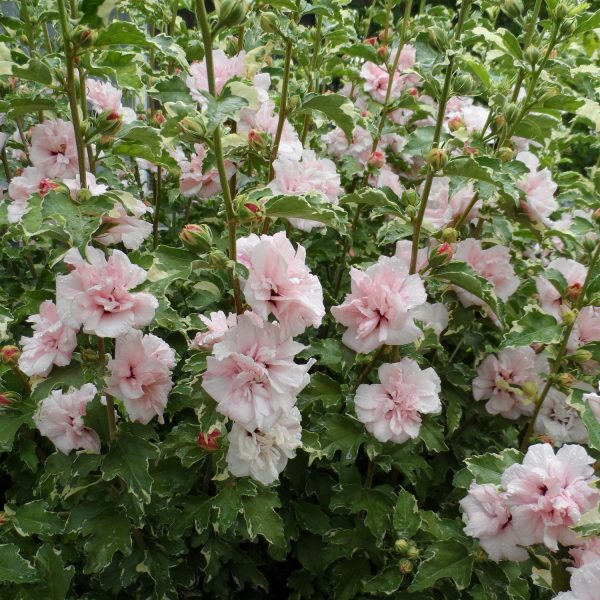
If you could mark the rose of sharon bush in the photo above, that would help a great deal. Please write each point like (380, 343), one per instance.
(392, 410)
(585, 583)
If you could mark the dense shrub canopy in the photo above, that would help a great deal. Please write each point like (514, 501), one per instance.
(300, 299)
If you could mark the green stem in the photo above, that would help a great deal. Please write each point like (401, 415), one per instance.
(47, 41)
(562, 351)
(64, 25)
(218, 149)
(19, 122)
(313, 74)
(464, 9)
(157, 195)
(465, 213)
(5, 165)
(83, 92)
(110, 404)
(369, 367)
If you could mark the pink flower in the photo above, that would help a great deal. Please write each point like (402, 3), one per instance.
(377, 311)
(488, 520)
(252, 374)
(121, 227)
(140, 375)
(376, 77)
(310, 174)
(53, 149)
(548, 493)
(20, 190)
(500, 381)
(443, 208)
(95, 189)
(263, 454)
(560, 421)
(391, 410)
(493, 264)
(550, 299)
(194, 181)
(539, 189)
(460, 109)
(435, 316)
(59, 417)
(593, 401)
(404, 251)
(280, 282)
(585, 583)
(387, 178)
(586, 552)
(359, 148)
(224, 68)
(52, 342)
(104, 97)
(96, 294)
(218, 325)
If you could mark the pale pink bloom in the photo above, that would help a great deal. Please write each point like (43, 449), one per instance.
(310, 174)
(262, 83)
(121, 227)
(462, 108)
(393, 142)
(225, 68)
(549, 493)
(104, 97)
(95, 188)
(3, 139)
(585, 583)
(194, 181)
(376, 77)
(218, 324)
(489, 520)
(387, 178)
(434, 316)
(140, 375)
(263, 454)
(442, 208)
(500, 381)
(586, 329)
(360, 148)
(280, 282)
(586, 552)
(96, 294)
(539, 189)
(560, 421)
(404, 251)
(53, 150)
(391, 410)
(52, 342)
(550, 299)
(59, 417)
(493, 264)
(252, 374)
(377, 310)
(265, 120)
(20, 190)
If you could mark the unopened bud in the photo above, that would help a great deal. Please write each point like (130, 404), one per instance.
(505, 153)
(574, 290)
(384, 35)
(255, 139)
(567, 27)
(410, 198)
(499, 123)
(456, 123)
(108, 123)
(377, 159)
(83, 37)
(5, 400)
(569, 317)
(561, 12)
(513, 8)
(405, 566)
(532, 55)
(47, 185)
(232, 12)
(83, 195)
(159, 118)
(401, 545)
(596, 215)
(437, 158)
(209, 441)
(371, 41)
(382, 51)
(193, 129)
(441, 255)
(545, 439)
(463, 83)
(511, 112)
(9, 355)
(581, 356)
(438, 38)
(565, 379)
(269, 22)
(197, 237)
(413, 553)
(450, 235)
(249, 211)
(294, 102)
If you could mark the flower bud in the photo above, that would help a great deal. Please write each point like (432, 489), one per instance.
(83, 37)
(574, 290)
(532, 55)
(159, 117)
(377, 159)
(410, 197)
(441, 255)
(255, 139)
(413, 553)
(449, 234)
(405, 566)
(596, 215)
(5, 400)
(83, 195)
(505, 153)
(581, 356)
(9, 355)
(569, 317)
(382, 51)
(565, 379)
(249, 211)
(269, 22)
(463, 83)
(529, 389)
(197, 237)
(47, 185)
(294, 102)
(193, 129)
(567, 27)
(108, 123)
(438, 38)
(456, 123)
(232, 12)
(208, 441)
(384, 35)
(371, 41)
(561, 12)
(513, 8)
(401, 545)
(511, 112)
(437, 158)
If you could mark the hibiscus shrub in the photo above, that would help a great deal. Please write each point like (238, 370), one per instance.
(300, 299)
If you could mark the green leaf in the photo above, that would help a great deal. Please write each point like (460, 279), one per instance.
(34, 70)
(587, 23)
(33, 518)
(120, 33)
(335, 107)
(10, 421)
(343, 433)
(385, 582)
(587, 416)
(13, 567)
(463, 276)
(348, 576)
(432, 434)
(171, 89)
(56, 576)
(488, 468)
(128, 458)
(311, 517)
(589, 524)
(261, 518)
(62, 377)
(533, 327)
(169, 265)
(406, 517)
(107, 534)
(444, 560)
(512, 44)
(221, 109)
(557, 279)
(18, 107)
(309, 206)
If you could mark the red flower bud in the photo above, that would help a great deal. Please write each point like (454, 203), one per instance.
(377, 159)
(46, 185)
(445, 250)
(209, 441)
(5, 400)
(371, 41)
(455, 123)
(9, 355)
(414, 92)
(574, 290)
